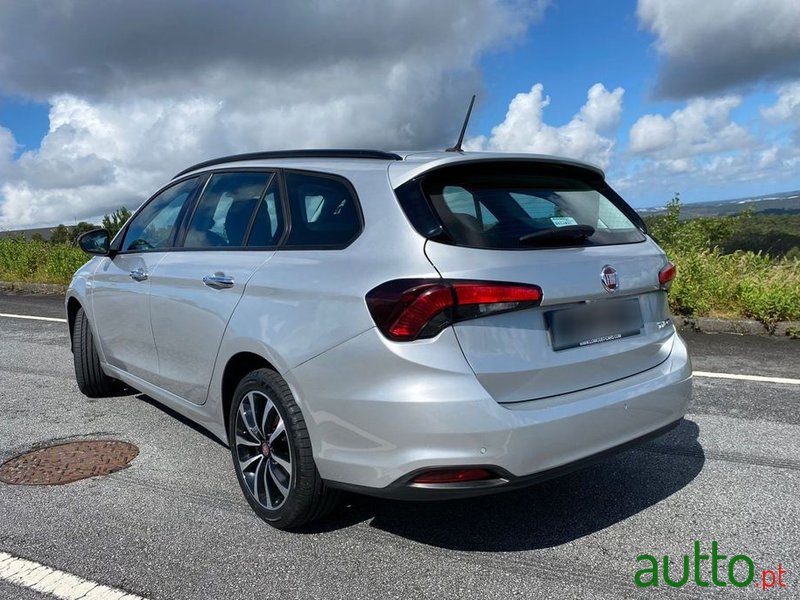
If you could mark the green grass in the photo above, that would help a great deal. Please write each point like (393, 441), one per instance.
(36, 261)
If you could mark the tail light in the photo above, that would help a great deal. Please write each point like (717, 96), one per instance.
(410, 309)
(666, 275)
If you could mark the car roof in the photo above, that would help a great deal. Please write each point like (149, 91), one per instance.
(402, 166)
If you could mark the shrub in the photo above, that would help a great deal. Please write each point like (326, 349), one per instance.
(38, 261)
(114, 221)
(713, 283)
(773, 297)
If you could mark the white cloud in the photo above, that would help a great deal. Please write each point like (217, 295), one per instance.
(99, 156)
(767, 157)
(704, 126)
(701, 146)
(7, 147)
(150, 87)
(709, 46)
(524, 129)
(651, 133)
(787, 107)
(602, 109)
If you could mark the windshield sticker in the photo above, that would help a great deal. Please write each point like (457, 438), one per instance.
(563, 221)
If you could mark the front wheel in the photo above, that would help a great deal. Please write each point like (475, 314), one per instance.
(92, 381)
(272, 454)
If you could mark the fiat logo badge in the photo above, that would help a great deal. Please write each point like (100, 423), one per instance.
(609, 278)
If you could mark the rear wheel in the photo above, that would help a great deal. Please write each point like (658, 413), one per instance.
(92, 381)
(272, 455)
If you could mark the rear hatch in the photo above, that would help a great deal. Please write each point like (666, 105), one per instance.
(603, 314)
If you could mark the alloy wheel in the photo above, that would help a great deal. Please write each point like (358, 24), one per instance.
(263, 451)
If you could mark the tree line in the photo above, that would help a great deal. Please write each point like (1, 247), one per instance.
(772, 234)
(69, 234)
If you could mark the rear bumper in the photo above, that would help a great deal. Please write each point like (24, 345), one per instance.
(380, 412)
(405, 489)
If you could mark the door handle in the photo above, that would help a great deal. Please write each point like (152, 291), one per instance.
(138, 275)
(218, 281)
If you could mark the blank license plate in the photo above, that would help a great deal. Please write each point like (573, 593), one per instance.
(594, 323)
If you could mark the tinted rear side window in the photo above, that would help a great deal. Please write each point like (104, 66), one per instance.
(518, 205)
(324, 211)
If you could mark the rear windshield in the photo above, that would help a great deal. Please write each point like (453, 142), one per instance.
(519, 206)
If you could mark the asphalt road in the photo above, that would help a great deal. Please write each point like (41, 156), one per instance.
(175, 525)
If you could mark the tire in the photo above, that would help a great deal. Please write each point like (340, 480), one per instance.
(92, 381)
(271, 452)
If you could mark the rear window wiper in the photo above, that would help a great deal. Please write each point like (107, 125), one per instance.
(570, 233)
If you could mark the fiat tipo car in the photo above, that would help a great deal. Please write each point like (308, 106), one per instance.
(418, 325)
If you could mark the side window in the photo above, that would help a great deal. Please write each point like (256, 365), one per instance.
(155, 225)
(268, 225)
(224, 211)
(324, 211)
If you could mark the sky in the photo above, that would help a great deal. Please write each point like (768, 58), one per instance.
(102, 101)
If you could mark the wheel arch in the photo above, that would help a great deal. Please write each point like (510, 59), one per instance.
(73, 306)
(237, 367)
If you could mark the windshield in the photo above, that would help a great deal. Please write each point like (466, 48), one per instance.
(525, 206)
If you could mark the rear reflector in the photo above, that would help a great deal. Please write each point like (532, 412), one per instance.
(667, 274)
(453, 476)
(410, 309)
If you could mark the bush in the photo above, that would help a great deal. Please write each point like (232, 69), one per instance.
(713, 283)
(114, 221)
(53, 261)
(38, 261)
(773, 298)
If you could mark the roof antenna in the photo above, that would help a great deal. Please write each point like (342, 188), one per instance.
(457, 147)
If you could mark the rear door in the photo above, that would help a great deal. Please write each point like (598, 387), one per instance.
(603, 316)
(235, 227)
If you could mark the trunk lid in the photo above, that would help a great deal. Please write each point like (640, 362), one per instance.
(546, 351)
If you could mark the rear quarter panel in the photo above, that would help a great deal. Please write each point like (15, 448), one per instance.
(302, 303)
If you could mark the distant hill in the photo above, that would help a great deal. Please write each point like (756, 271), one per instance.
(785, 203)
(43, 232)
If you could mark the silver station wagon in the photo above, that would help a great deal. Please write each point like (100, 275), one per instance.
(419, 325)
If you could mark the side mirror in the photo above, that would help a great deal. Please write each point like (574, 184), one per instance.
(95, 242)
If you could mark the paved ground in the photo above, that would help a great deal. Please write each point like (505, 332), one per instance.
(175, 524)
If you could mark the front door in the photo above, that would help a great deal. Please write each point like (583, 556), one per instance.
(121, 285)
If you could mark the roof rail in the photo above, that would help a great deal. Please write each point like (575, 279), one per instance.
(308, 153)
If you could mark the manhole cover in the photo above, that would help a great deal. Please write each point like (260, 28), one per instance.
(66, 463)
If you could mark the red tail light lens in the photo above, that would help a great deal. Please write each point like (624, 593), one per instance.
(410, 309)
(418, 307)
(453, 476)
(667, 274)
